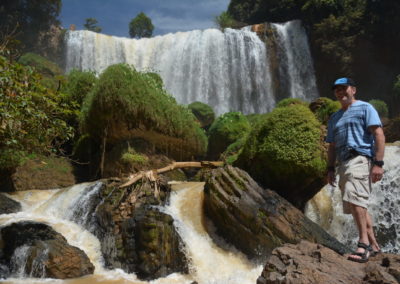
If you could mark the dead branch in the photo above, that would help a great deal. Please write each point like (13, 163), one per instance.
(152, 174)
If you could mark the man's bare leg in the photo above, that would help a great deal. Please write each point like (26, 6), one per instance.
(371, 234)
(360, 217)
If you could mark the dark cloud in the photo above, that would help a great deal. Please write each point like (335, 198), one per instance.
(167, 16)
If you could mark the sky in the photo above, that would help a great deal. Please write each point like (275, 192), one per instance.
(167, 16)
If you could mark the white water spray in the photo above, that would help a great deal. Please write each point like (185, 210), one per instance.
(326, 208)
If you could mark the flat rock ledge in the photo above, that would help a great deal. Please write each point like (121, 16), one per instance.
(308, 262)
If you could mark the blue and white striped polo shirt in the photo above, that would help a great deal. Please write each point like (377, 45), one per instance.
(349, 129)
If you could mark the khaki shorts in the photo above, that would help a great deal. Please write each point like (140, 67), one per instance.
(355, 182)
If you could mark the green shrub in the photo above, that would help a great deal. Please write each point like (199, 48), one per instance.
(30, 117)
(225, 130)
(125, 104)
(323, 108)
(291, 101)
(203, 112)
(381, 107)
(284, 151)
(225, 20)
(79, 84)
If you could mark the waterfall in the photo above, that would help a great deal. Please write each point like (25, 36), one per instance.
(58, 208)
(326, 208)
(230, 70)
(296, 71)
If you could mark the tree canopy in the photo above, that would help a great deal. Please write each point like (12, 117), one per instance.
(29, 18)
(141, 26)
(91, 25)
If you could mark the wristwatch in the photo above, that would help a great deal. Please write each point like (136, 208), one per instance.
(378, 163)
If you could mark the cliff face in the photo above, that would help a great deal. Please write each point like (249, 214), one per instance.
(357, 39)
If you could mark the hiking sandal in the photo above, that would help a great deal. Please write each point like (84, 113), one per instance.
(364, 256)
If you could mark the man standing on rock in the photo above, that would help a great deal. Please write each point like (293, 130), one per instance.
(356, 140)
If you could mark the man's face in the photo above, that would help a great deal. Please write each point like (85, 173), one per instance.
(345, 94)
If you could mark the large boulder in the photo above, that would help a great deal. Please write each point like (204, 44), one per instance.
(313, 263)
(134, 235)
(256, 220)
(127, 104)
(203, 112)
(8, 205)
(284, 152)
(35, 249)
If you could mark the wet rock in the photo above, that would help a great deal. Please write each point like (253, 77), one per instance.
(7, 205)
(308, 262)
(135, 236)
(256, 220)
(35, 249)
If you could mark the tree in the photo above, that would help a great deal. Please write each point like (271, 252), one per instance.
(91, 25)
(224, 20)
(141, 26)
(32, 18)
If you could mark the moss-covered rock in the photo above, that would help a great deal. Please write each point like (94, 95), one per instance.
(126, 104)
(253, 219)
(284, 152)
(225, 130)
(203, 112)
(323, 108)
(291, 101)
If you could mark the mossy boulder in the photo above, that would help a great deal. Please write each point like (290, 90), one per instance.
(284, 152)
(291, 101)
(225, 130)
(323, 108)
(203, 112)
(126, 104)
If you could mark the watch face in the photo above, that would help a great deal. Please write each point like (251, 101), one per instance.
(378, 163)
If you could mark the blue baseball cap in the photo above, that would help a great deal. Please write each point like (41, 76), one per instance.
(344, 82)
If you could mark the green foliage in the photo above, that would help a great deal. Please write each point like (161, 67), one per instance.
(203, 112)
(225, 20)
(323, 108)
(79, 84)
(381, 107)
(125, 103)
(91, 25)
(30, 115)
(51, 73)
(130, 158)
(283, 150)
(291, 101)
(141, 26)
(41, 64)
(225, 130)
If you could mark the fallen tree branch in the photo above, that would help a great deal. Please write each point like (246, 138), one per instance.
(151, 175)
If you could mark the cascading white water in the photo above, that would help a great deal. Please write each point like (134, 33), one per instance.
(326, 208)
(209, 264)
(296, 71)
(228, 70)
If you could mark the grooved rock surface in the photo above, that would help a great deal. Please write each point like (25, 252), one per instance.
(306, 263)
(256, 220)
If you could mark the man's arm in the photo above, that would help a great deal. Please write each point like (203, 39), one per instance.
(379, 136)
(331, 163)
